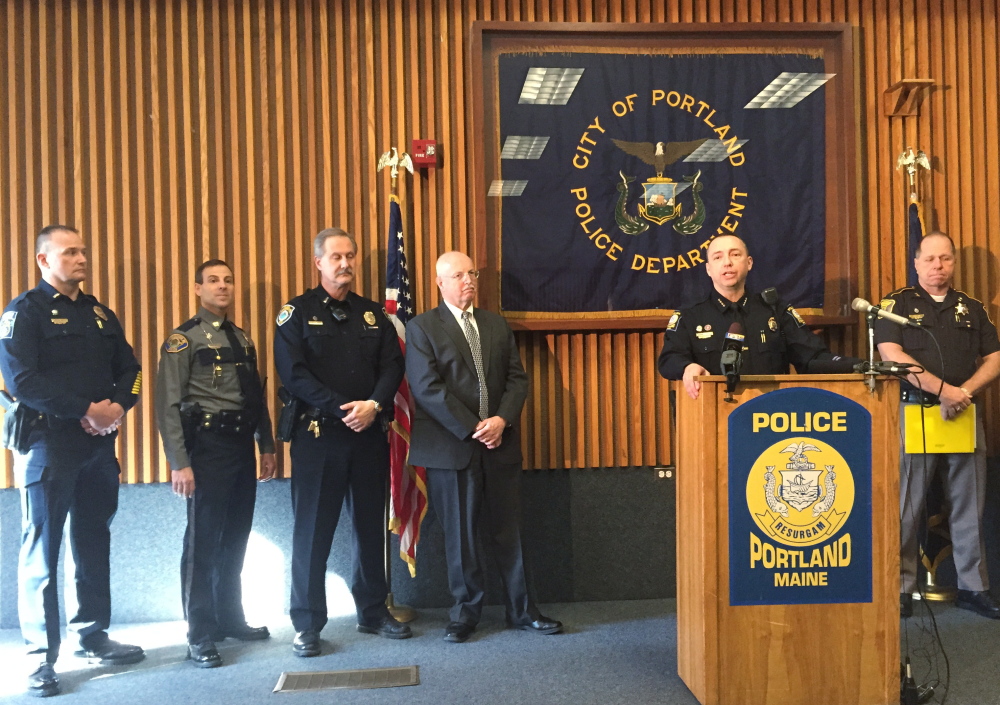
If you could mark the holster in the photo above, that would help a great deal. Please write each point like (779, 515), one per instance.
(189, 424)
(289, 415)
(18, 423)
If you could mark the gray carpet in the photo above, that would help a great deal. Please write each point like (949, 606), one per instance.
(613, 652)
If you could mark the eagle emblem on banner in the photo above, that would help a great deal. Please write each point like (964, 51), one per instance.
(660, 204)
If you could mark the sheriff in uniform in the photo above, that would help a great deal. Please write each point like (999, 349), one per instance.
(339, 359)
(64, 356)
(965, 334)
(210, 408)
(775, 334)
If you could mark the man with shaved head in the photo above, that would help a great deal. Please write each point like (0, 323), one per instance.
(468, 386)
(775, 334)
(65, 358)
(971, 351)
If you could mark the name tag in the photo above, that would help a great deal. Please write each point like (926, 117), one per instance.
(315, 323)
(60, 321)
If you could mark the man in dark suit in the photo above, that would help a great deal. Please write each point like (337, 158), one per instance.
(468, 386)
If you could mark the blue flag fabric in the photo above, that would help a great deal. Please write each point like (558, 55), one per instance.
(915, 233)
(596, 230)
(397, 280)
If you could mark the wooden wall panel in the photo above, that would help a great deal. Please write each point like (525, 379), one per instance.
(170, 131)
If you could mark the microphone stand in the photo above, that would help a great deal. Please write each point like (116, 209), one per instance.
(870, 373)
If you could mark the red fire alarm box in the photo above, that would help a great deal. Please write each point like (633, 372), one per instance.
(424, 154)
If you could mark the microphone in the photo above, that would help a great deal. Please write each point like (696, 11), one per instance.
(866, 307)
(835, 365)
(732, 355)
(888, 367)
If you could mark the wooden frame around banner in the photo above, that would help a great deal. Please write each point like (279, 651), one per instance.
(835, 40)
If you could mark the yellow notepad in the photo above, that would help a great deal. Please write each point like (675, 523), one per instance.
(955, 436)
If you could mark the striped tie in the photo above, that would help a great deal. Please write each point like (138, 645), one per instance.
(477, 357)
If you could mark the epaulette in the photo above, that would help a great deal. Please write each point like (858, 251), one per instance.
(969, 298)
(189, 324)
(900, 290)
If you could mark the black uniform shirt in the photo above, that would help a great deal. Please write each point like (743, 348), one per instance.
(326, 362)
(59, 355)
(775, 337)
(960, 325)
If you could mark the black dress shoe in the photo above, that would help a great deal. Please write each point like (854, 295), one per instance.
(306, 643)
(243, 632)
(542, 625)
(43, 682)
(204, 655)
(905, 605)
(979, 602)
(388, 628)
(457, 632)
(111, 653)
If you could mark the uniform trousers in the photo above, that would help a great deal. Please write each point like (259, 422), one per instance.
(486, 495)
(340, 466)
(77, 482)
(964, 476)
(219, 518)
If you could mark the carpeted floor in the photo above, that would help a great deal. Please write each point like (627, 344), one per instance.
(612, 652)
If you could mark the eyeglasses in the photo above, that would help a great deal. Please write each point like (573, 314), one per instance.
(459, 276)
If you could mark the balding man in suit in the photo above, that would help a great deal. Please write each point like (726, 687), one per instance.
(469, 386)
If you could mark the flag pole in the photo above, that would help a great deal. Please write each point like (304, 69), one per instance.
(402, 613)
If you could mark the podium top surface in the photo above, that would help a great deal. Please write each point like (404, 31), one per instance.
(853, 377)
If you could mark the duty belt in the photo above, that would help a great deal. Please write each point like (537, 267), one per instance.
(317, 420)
(915, 396)
(231, 423)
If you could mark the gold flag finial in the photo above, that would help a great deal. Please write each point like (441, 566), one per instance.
(913, 161)
(394, 159)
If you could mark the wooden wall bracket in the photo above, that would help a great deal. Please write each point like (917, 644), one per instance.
(900, 99)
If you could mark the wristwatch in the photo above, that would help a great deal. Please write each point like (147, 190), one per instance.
(378, 407)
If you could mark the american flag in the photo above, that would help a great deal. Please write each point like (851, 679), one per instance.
(409, 484)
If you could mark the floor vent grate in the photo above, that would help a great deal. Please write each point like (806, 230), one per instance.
(355, 679)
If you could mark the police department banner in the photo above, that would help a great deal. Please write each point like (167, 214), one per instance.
(800, 507)
(622, 188)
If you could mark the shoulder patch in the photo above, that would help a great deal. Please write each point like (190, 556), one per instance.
(175, 343)
(795, 314)
(675, 319)
(7, 324)
(887, 304)
(284, 314)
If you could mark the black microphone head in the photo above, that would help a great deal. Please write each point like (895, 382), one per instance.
(735, 330)
(769, 296)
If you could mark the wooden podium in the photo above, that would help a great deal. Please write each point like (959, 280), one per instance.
(795, 654)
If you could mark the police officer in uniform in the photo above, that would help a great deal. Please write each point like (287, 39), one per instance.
(964, 332)
(210, 408)
(339, 359)
(64, 356)
(775, 334)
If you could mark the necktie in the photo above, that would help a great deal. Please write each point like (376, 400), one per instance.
(477, 357)
(246, 371)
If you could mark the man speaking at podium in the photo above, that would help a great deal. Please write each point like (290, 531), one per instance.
(774, 332)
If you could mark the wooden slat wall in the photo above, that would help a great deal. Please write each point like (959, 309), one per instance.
(171, 131)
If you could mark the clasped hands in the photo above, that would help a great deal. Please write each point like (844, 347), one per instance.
(954, 400)
(360, 414)
(489, 432)
(102, 418)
